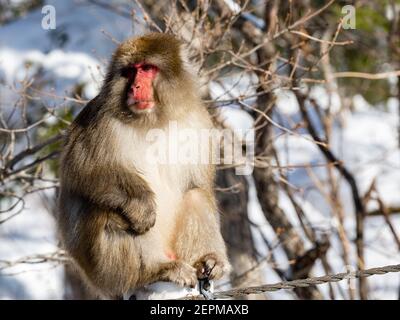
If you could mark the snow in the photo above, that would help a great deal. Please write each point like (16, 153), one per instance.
(29, 233)
(77, 51)
(325, 100)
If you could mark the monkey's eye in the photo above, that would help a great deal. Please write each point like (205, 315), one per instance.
(147, 67)
(128, 72)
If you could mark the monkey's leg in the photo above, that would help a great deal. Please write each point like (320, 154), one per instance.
(114, 262)
(111, 258)
(158, 265)
(198, 238)
(100, 245)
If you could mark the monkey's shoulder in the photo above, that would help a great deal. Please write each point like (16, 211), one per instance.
(89, 115)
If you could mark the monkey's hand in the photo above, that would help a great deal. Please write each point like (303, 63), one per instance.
(141, 214)
(211, 266)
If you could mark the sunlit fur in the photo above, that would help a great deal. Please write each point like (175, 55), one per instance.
(122, 218)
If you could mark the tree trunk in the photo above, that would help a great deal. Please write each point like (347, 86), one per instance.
(236, 230)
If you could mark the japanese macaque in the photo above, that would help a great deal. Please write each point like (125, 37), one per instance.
(125, 221)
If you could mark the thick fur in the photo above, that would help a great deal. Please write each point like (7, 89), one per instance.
(127, 222)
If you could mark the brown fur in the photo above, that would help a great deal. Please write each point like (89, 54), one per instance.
(120, 218)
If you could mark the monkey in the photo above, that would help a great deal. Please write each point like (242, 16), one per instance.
(126, 222)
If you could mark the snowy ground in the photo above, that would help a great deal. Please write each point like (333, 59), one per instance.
(29, 233)
(76, 53)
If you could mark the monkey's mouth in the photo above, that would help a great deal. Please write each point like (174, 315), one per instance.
(139, 105)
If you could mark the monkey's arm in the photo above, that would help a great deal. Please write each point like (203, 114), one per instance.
(111, 186)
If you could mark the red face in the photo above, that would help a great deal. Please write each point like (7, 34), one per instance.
(141, 93)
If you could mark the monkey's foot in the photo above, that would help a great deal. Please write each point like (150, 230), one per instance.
(211, 266)
(180, 273)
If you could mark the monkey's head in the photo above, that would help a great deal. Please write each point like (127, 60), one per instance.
(149, 78)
